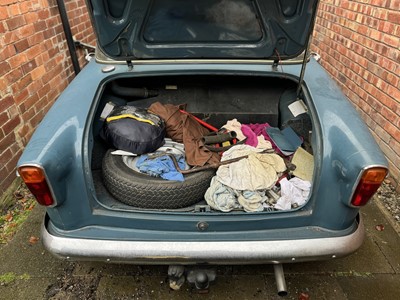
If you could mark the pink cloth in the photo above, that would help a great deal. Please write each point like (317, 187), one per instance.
(251, 131)
(250, 135)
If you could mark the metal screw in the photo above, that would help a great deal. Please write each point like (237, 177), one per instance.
(202, 226)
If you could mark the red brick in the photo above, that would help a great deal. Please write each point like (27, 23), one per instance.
(5, 103)
(382, 134)
(34, 51)
(394, 16)
(28, 67)
(14, 9)
(53, 21)
(21, 96)
(362, 29)
(4, 13)
(36, 119)
(38, 72)
(27, 115)
(389, 115)
(12, 164)
(36, 39)
(13, 112)
(44, 90)
(23, 130)
(13, 76)
(29, 102)
(390, 103)
(7, 2)
(53, 94)
(34, 87)
(21, 46)
(391, 40)
(374, 103)
(3, 118)
(25, 7)
(40, 26)
(4, 68)
(9, 38)
(395, 146)
(393, 4)
(2, 135)
(26, 31)
(7, 141)
(31, 17)
(5, 157)
(391, 79)
(50, 74)
(2, 28)
(22, 83)
(9, 177)
(4, 87)
(17, 60)
(7, 52)
(392, 130)
(386, 27)
(15, 22)
(48, 33)
(43, 14)
(394, 92)
(11, 124)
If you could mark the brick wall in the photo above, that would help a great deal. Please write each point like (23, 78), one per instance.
(35, 66)
(359, 45)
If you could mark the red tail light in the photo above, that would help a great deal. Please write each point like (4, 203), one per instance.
(370, 181)
(35, 179)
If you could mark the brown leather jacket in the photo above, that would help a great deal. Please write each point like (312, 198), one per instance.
(183, 128)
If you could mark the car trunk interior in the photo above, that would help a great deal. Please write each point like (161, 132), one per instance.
(214, 99)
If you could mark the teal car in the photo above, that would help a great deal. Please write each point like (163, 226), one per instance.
(225, 59)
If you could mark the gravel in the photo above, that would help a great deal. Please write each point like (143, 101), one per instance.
(390, 199)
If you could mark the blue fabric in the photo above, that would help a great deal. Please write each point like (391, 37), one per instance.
(162, 166)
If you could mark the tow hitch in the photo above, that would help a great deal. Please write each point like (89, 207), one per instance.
(198, 277)
(201, 278)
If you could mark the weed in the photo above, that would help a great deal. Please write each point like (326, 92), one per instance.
(12, 218)
(11, 277)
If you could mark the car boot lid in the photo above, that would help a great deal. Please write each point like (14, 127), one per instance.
(185, 29)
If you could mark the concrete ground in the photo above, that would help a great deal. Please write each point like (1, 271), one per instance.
(373, 272)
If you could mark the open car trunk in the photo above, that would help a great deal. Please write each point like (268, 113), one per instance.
(215, 99)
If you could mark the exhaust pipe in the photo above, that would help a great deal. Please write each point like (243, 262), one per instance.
(280, 280)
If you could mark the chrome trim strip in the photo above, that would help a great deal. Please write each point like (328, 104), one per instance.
(103, 59)
(224, 252)
(198, 61)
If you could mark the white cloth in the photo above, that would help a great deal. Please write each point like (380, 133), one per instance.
(223, 198)
(256, 172)
(263, 143)
(234, 125)
(252, 200)
(293, 191)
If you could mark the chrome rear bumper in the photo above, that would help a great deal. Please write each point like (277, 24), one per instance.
(231, 252)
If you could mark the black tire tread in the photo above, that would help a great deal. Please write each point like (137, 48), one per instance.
(140, 190)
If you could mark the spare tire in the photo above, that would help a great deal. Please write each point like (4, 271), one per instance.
(143, 191)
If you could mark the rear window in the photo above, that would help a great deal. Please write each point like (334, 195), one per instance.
(188, 21)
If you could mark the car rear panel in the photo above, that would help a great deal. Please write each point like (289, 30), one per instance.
(62, 145)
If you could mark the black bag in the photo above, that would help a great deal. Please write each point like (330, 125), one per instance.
(134, 130)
